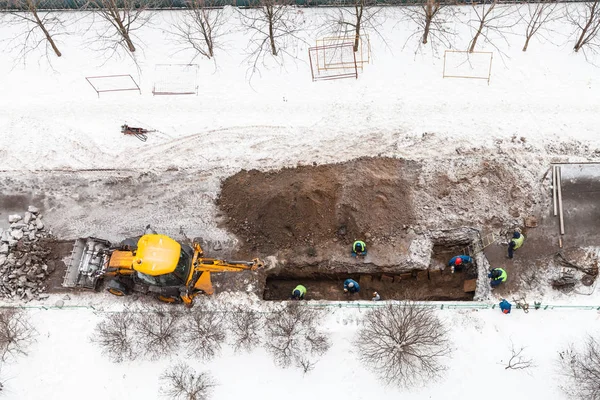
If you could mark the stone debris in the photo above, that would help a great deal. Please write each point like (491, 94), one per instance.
(24, 263)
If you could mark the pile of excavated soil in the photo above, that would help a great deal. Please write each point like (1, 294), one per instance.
(307, 205)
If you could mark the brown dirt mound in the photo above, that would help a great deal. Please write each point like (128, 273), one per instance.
(306, 205)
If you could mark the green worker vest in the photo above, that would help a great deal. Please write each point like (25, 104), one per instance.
(301, 289)
(503, 276)
(518, 242)
(364, 246)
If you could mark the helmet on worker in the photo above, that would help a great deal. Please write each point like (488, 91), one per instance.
(458, 261)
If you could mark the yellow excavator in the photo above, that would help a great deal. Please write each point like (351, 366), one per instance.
(151, 264)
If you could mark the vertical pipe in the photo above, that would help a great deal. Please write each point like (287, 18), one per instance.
(560, 205)
(554, 167)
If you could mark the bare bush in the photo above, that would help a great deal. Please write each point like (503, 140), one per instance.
(123, 19)
(245, 326)
(518, 360)
(273, 27)
(492, 22)
(585, 18)
(158, 330)
(403, 344)
(16, 333)
(200, 27)
(582, 369)
(203, 333)
(433, 19)
(181, 382)
(537, 15)
(115, 336)
(293, 335)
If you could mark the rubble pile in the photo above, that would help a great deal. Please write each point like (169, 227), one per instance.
(23, 257)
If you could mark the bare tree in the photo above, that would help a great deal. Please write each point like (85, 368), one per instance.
(432, 18)
(537, 16)
(37, 29)
(356, 18)
(123, 19)
(181, 382)
(582, 369)
(158, 330)
(585, 17)
(517, 360)
(115, 336)
(273, 26)
(403, 344)
(245, 326)
(16, 333)
(200, 28)
(293, 335)
(491, 20)
(203, 333)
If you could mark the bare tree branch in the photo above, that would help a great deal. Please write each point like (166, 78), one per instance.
(203, 333)
(273, 27)
(123, 18)
(37, 29)
(199, 27)
(585, 18)
(181, 382)
(491, 22)
(582, 369)
(115, 336)
(245, 326)
(355, 19)
(16, 333)
(158, 330)
(403, 344)
(537, 16)
(517, 360)
(434, 23)
(293, 335)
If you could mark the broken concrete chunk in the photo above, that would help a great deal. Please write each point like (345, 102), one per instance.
(5, 236)
(33, 210)
(59, 303)
(14, 218)
(4, 248)
(32, 236)
(17, 234)
(27, 218)
(2, 259)
(39, 224)
(44, 296)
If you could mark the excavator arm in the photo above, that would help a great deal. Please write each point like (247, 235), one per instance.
(202, 267)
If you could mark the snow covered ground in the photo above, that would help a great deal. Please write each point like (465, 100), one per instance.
(64, 364)
(51, 118)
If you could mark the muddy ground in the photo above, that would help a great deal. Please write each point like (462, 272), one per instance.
(304, 219)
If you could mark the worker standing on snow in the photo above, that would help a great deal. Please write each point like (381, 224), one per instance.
(458, 263)
(359, 248)
(516, 242)
(298, 293)
(497, 276)
(351, 286)
(505, 306)
(376, 296)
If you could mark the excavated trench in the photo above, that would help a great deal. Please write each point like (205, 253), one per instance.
(398, 282)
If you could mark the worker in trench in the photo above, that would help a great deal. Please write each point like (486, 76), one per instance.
(351, 286)
(458, 263)
(298, 293)
(516, 242)
(359, 248)
(497, 276)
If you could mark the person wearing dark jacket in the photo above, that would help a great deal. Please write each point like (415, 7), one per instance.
(351, 286)
(516, 242)
(505, 306)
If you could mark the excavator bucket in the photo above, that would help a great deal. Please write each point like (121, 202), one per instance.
(87, 264)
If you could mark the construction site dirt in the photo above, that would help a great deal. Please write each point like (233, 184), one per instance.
(305, 219)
